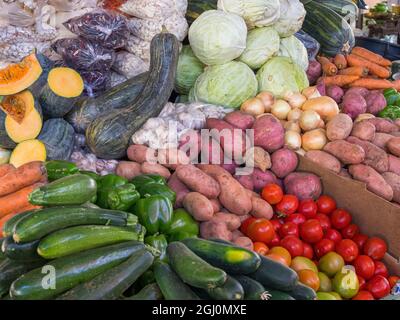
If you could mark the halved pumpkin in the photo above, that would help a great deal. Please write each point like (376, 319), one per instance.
(28, 129)
(19, 76)
(17, 106)
(28, 151)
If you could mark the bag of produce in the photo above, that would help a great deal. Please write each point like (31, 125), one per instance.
(310, 43)
(96, 82)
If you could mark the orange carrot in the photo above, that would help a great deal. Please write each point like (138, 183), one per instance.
(339, 80)
(354, 71)
(375, 69)
(340, 61)
(6, 168)
(328, 67)
(24, 176)
(371, 56)
(373, 84)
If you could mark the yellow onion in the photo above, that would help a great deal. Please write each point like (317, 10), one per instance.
(292, 140)
(268, 100)
(292, 126)
(314, 140)
(309, 120)
(294, 114)
(311, 92)
(280, 109)
(296, 99)
(253, 106)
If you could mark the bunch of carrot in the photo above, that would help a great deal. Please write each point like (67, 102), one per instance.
(361, 68)
(15, 186)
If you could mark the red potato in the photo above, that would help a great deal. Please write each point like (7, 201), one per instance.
(284, 161)
(303, 185)
(314, 71)
(246, 181)
(190, 143)
(211, 152)
(394, 164)
(375, 102)
(364, 130)
(374, 156)
(212, 170)
(324, 159)
(240, 119)
(354, 104)
(374, 181)
(335, 92)
(261, 209)
(232, 221)
(346, 152)
(268, 133)
(339, 128)
(244, 242)
(197, 180)
(381, 139)
(237, 234)
(172, 158)
(261, 179)
(216, 205)
(141, 153)
(396, 134)
(150, 168)
(358, 90)
(179, 188)
(128, 169)
(393, 145)
(384, 125)
(198, 206)
(215, 230)
(394, 181)
(230, 167)
(344, 173)
(257, 157)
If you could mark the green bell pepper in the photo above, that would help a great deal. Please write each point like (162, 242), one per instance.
(159, 242)
(182, 226)
(91, 174)
(104, 186)
(391, 112)
(57, 169)
(154, 213)
(157, 189)
(392, 97)
(148, 178)
(122, 197)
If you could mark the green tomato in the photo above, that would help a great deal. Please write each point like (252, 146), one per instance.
(346, 283)
(325, 284)
(331, 263)
(325, 296)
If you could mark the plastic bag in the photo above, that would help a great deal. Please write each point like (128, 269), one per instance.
(105, 27)
(310, 43)
(82, 54)
(72, 5)
(96, 82)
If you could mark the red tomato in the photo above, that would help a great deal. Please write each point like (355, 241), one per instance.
(393, 281)
(347, 249)
(276, 240)
(311, 231)
(360, 240)
(350, 231)
(294, 245)
(245, 224)
(333, 235)
(363, 295)
(362, 282)
(260, 248)
(323, 246)
(308, 208)
(381, 269)
(375, 248)
(324, 221)
(308, 251)
(326, 204)
(261, 230)
(276, 223)
(272, 193)
(364, 266)
(379, 287)
(297, 218)
(289, 228)
(340, 219)
(288, 205)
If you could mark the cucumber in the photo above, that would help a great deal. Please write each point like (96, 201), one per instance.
(44, 221)
(231, 258)
(71, 271)
(20, 251)
(2, 255)
(302, 292)
(192, 269)
(253, 290)
(8, 227)
(230, 290)
(146, 278)
(150, 292)
(272, 294)
(91, 174)
(80, 238)
(71, 190)
(110, 285)
(171, 286)
(275, 275)
(57, 169)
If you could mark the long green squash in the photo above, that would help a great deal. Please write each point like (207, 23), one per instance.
(108, 136)
(345, 8)
(197, 7)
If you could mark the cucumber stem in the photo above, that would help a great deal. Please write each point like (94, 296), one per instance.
(131, 220)
(36, 197)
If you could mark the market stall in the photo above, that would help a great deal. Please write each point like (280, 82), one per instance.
(251, 141)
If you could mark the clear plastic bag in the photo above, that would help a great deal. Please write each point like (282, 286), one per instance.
(106, 27)
(96, 82)
(83, 54)
(310, 43)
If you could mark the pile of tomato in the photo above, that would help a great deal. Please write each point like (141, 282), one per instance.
(320, 242)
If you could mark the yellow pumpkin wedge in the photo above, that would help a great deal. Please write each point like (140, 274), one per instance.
(17, 106)
(28, 129)
(28, 151)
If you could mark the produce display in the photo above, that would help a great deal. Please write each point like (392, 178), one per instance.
(142, 140)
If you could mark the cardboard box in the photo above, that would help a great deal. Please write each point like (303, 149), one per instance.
(374, 215)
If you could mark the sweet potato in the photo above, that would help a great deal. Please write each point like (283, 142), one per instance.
(261, 208)
(363, 130)
(257, 157)
(237, 234)
(128, 169)
(375, 102)
(244, 242)
(230, 167)
(198, 206)
(240, 119)
(324, 159)
(346, 152)
(303, 185)
(216, 205)
(212, 170)
(232, 221)
(172, 157)
(284, 161)
(197, 180)
(394, 164)
(393, 145)
(261, 179)
(246, 181)
(179, 188)
(383, 125)
(141, 153)
(374, 181)
(190, 143)
(335, 92)
(394, 181)
(344, 173)
(381, 139)
(215, 230)
(211, 152)
(354, 104)
(339, 128)
(375, 157)
(358, 90)
(155, 168)
(268, 133)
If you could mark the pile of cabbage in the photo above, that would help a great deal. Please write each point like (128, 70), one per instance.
(244, 47)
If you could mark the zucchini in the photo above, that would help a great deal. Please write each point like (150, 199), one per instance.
(57, 169)
(277, 295)
(150, 292)
(302, 292)
(275, 275)
(230, 290)
(72, 270)
(91, 174)
(80, 238)
(192, 269)
(231, 258)
(110, 285)
(171, 286)
(8, 227)
(146, 278)
(2, 255)
(20, 251)
(253, 290)
(70, 190)
(44, 221)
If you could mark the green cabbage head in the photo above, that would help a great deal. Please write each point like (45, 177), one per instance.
(293, 48)
(188, 70)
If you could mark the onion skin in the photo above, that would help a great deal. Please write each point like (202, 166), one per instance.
(296, 100)
(294, 114)
(314, 140)
(253, 106)
(268, 100)
(311, 92)
(292, 126)
(292, 140)
(309, 120)
(281, 109)
(325, 106)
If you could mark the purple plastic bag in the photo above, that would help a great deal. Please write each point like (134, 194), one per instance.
(96, 82)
